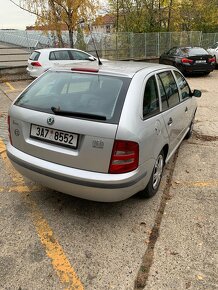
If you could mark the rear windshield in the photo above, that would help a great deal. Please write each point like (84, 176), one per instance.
(194, 51)
(35, 55)
(77, 94)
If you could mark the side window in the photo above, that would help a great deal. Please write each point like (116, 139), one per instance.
(52, 56)
(35, 55)
(172, 51)
(59, 55)
(170, 88)
(183, 86)
(163, 96)
(151, 100)
(78, 55)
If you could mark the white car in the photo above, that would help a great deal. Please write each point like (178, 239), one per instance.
(43, 59)
(213, 50)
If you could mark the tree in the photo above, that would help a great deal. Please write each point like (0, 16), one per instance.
(199, 15)
(60, 14)
(142, 15)
(80, 43)
(165, 15)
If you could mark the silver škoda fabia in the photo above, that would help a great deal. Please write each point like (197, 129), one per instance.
(103, 132)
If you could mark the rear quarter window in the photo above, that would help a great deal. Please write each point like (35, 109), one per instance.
(168, 90)
(183, 86)
(151, 99)
(35, 55)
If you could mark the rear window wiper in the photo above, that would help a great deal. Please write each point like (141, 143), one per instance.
(58, 111)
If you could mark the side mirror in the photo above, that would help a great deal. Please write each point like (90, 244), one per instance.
(92, 58)
(196, 93)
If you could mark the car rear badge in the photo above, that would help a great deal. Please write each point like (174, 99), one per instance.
(98, 144)
(17, 132)
(50, 120)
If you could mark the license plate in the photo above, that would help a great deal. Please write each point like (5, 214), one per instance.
(201, 61)
(54, 136)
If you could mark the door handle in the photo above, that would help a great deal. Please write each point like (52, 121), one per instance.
(170, 122)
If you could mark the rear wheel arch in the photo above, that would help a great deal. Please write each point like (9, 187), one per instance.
(190, 131)
(165, 150)
(156, 176)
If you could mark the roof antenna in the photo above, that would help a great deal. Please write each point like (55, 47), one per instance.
(96, 51)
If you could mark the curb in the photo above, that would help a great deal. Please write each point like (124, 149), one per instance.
(13, 73)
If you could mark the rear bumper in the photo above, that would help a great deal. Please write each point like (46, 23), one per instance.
(34, 73)
(198, 68)
(84, 184)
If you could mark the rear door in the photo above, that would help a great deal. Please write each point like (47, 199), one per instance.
(153, 131)
(186, 99)
(58, 57)
(173, 112)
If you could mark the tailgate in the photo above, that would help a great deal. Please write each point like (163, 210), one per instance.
(76, 143)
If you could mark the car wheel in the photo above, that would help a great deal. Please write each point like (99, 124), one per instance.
(155, 179)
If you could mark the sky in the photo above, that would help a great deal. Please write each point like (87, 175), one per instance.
(13, 17)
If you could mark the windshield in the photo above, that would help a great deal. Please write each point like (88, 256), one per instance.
(74, 92)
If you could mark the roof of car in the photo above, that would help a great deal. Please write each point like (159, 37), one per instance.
(123, 68)
(55, 48)
(189, 47)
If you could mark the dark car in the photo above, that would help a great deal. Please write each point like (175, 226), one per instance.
(189, 59)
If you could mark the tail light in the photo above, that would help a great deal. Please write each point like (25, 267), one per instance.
(211, 60)
(186, 60)
(125, 156)
(82, 69)
(9, 129)
(35, 63)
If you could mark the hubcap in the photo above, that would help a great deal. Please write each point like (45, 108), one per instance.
(158, 169)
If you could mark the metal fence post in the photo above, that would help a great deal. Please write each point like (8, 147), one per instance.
(200, 38)
(171, 39)
(145, 45)
(131, 45)
(28, 40)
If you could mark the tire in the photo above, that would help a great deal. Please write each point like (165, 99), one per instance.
(155, 179)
